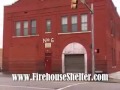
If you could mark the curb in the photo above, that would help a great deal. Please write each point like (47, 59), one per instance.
(112, 80)
(4, 75)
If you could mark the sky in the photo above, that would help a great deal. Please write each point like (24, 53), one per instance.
(8, 2)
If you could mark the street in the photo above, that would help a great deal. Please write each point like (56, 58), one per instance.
(6, 83)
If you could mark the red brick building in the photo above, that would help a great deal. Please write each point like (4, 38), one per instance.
(0, 58)
(47, 35)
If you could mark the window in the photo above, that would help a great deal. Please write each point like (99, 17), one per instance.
(18, 28)
(33, 27)
(25, 28)
(112, 28)
(113, 57)
(84, 22)
(48, 26)
(64, 24)
(74, 23)
(119, 55)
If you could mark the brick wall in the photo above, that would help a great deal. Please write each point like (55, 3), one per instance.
(0, 57)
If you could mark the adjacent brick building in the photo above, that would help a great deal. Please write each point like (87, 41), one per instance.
(49, 36)
(0, 58)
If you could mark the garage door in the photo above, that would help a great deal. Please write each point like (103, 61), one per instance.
(74, 63)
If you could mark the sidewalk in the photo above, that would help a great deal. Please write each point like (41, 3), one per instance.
(114, 77)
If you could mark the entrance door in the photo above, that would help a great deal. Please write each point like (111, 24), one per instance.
(74, 63)
(48, 62)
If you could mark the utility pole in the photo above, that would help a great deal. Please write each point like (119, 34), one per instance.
(74, 5)
(92, 39)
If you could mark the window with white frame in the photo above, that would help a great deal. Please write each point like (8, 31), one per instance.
(25, 26)
(64, 24)
(48, 25)
(84, 22)
(18, 28)
(74, 23)
(33, 27)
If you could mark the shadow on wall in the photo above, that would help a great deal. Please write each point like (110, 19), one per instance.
(0, 58)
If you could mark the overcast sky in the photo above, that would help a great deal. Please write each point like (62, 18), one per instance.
(7, 2)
